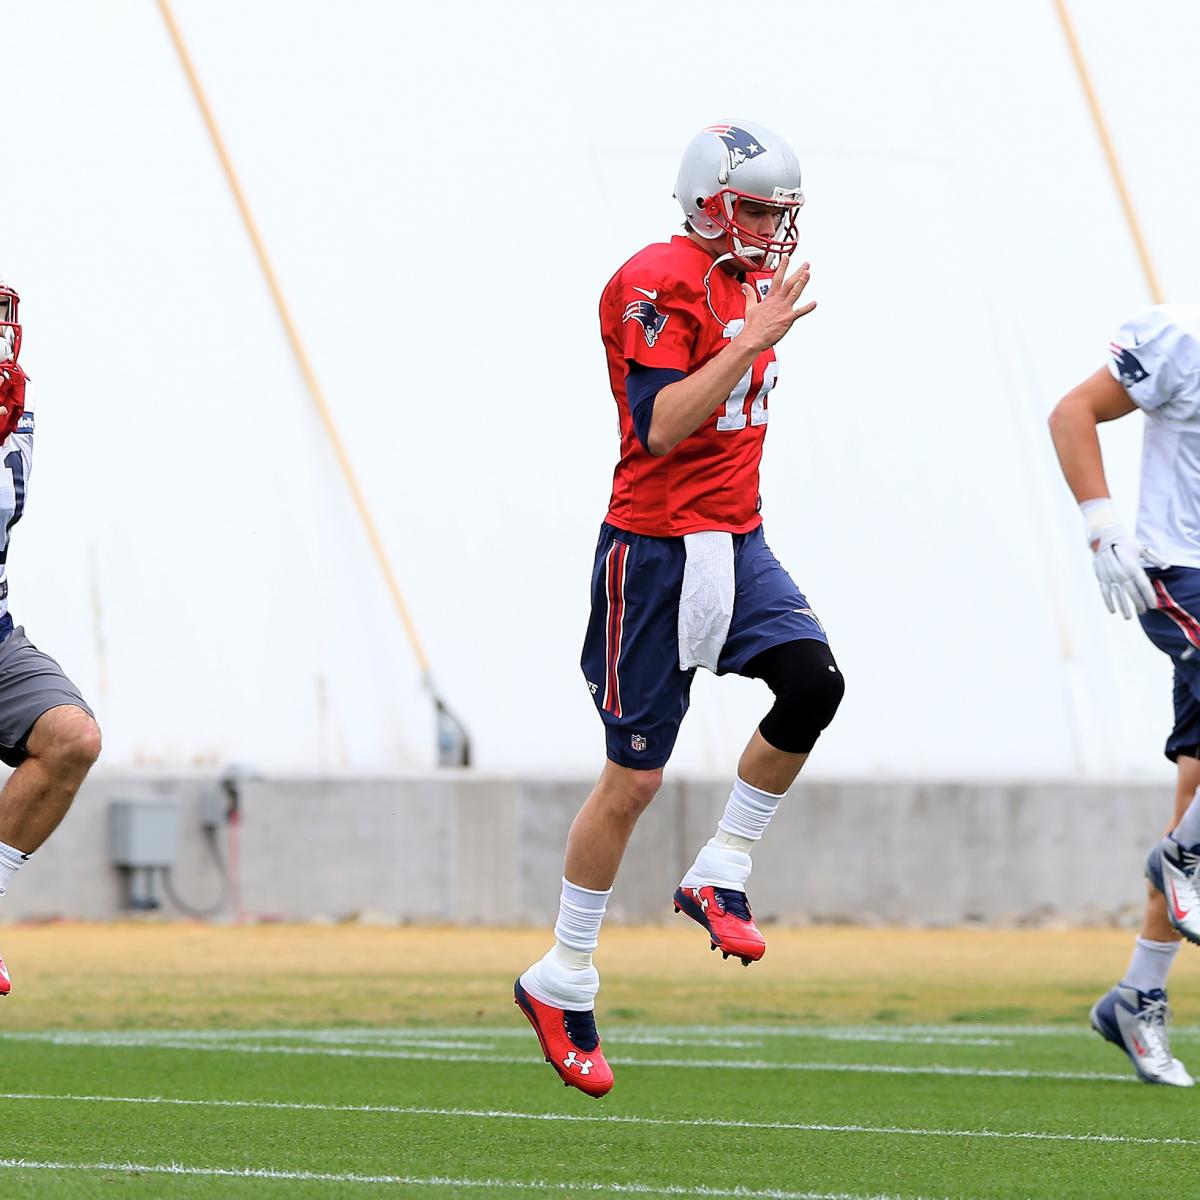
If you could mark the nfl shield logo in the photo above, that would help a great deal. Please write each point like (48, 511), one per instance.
(638, 742)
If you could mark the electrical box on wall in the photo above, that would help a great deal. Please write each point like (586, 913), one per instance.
(143, 841)
(144, 833)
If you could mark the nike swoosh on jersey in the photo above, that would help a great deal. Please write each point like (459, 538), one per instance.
(650, 295)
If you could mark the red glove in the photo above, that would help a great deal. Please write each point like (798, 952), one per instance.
(12, 397)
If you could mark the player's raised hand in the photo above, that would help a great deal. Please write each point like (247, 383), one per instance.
(768, 319)
(12, 397)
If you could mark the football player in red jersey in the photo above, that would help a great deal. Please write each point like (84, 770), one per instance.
(683, 576)
(47, 731)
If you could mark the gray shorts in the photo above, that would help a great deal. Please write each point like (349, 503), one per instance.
(31, 683)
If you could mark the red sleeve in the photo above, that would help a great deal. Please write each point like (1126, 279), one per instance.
(658, 323)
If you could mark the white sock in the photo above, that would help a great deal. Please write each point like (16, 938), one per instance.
(564, 976)
(1150, 964)
(554, 983)
(577, 930)
(724, 861)
(11, 861)
(748, 811)
(1187, 832)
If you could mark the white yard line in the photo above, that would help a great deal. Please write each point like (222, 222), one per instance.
(434, 1181)
(488, 1114)
(452, 1039)
(235, 1046)
(734, 1036)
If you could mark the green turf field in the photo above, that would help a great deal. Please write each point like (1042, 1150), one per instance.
(157, 1060)
(950, 1111)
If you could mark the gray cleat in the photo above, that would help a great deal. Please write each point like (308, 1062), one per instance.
(1137, 1023)
(1175, 871)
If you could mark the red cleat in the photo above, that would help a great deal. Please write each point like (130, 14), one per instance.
(5, 982)
(727, 917)
(569, 1042)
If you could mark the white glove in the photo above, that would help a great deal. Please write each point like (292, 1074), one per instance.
(1118, 560)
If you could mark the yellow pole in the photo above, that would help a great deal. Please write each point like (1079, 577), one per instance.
(298, 350)
(1110, 152)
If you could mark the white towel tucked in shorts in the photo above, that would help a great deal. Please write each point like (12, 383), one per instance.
(706, 601)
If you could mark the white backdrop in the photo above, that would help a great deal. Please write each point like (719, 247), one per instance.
(445, 189)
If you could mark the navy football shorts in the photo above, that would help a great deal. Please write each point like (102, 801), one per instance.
(631, 651)
(1174, 627)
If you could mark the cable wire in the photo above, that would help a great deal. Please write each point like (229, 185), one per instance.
(209, 910)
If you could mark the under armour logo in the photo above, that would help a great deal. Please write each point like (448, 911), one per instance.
(703, 902)
(585, 1067)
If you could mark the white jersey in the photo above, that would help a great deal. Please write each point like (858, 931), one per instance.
(15, 465)
(1156, 357)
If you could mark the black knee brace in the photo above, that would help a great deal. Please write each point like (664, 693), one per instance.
(808, 688)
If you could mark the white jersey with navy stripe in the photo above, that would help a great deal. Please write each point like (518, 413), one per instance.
(15, 467)
(1156, 357)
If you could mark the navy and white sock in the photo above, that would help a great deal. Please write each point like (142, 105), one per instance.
(1150, 964)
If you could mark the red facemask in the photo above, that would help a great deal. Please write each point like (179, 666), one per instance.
(754, 251)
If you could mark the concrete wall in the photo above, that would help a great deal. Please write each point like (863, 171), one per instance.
(459, 847)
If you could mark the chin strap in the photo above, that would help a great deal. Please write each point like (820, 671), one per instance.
(751, 251)
(728, 256)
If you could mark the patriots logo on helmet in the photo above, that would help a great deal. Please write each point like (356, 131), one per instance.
(648, 317)
(741, 145)
(1130, 370)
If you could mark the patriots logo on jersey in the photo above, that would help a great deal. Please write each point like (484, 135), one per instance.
(648, 317)
(1130, 370)
(741, 145)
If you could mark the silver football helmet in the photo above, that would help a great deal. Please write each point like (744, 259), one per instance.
(735, 161)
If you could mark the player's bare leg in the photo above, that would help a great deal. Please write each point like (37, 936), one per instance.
(1134, 1014)
(600, 831)
(713, 892)
(61, 748)
(808, 689)
(1156, 925)
(558, 993)
(768, 769)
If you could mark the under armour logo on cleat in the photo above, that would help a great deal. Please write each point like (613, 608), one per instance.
(585, 1067)
(703, 902)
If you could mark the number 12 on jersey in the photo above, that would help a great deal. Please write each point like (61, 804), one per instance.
(734, 416)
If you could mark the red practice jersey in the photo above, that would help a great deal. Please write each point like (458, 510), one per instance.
(668, 307)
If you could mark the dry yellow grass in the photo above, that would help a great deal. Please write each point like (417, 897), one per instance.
(149, 975)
